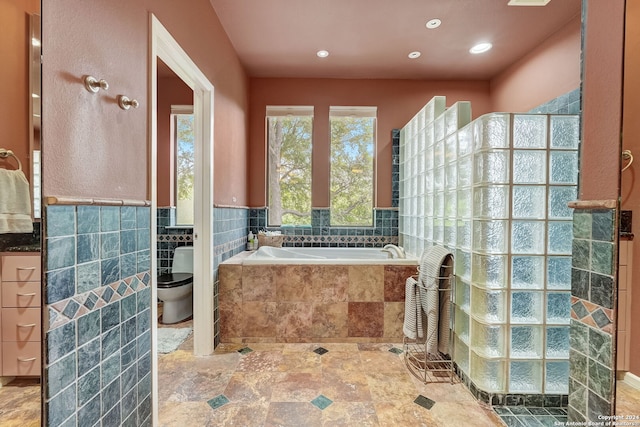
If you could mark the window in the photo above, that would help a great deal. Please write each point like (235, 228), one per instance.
(289, 131)
(183, 138)
(352, 148)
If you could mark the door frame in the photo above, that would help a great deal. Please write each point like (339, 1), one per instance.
(165, 47)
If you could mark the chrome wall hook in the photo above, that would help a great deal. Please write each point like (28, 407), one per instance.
(125, 103)
(94, 85)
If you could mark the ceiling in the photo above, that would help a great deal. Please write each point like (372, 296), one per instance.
(372, 38)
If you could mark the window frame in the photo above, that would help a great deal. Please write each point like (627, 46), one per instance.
(354, 112)
(287, 111)
(178, 110)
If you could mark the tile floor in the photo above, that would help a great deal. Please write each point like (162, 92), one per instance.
(627, 399)
(325, 385)
(263, 384)
(519, 416)
(20, 403)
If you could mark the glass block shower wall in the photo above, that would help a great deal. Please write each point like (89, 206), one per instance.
(495, 192)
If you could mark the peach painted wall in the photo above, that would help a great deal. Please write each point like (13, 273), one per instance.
(15, 41)
(631, 177)
(171, 91)
(91, 148)
(551, 70)
(397, 101)
(602, 100)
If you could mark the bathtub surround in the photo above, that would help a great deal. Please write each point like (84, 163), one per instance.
(98, 315)
(322, 234)
(311, 303)
(593, 325)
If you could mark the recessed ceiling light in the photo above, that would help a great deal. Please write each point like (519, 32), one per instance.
(433, 23)
(414, 55)
(322, 53)
(480, 48)
(528, 2)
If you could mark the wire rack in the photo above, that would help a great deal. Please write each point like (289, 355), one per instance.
(430, 367)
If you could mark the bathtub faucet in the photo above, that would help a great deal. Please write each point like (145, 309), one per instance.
(394, 251)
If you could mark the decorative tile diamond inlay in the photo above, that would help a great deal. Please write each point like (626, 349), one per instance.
(592, 314)
(107, 294)
(321, 402)
(425, 402)
(122, 288)
(395, 350)
(218, 401)
(320, 350)
(71, 309)
(245, 350)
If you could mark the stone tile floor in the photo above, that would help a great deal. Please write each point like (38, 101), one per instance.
(519, 416)
(20, 403)
(328, 384)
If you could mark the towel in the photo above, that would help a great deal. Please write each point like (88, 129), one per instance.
(429, 280)
(412, 326)
(15, 202)
(445, 306)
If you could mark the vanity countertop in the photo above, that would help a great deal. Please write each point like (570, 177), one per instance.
(22, 248)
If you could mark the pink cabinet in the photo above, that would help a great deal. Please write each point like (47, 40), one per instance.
(20, 314)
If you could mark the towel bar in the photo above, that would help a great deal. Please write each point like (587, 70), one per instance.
(4, 154)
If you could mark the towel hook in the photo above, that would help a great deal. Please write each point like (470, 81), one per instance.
(125, 102)
(94, 85)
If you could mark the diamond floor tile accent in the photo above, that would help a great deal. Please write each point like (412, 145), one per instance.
(218, 401)
(396, 350)
(425, 402)
(321, 402)
(321, 351)
(245, 350)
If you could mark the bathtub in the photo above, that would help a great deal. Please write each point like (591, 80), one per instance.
(333, 256)
(313, 295)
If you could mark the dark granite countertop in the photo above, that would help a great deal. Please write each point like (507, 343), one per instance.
(22, 248)
(21, 242)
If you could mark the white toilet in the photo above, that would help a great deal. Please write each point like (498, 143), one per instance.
(175, 289)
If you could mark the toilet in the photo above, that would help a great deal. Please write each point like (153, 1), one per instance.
(175, 289)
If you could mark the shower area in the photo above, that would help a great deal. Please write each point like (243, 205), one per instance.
(494, 191)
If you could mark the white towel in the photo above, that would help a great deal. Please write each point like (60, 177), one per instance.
(412, 326)
(15, 202)
(445, 308)
(431, 262)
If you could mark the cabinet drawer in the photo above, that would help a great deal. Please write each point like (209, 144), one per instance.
(20, 324)
(20, 268)
(21, 359)
(21, 294)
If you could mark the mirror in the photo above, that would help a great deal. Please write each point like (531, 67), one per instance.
(35, 85)
(20, 91)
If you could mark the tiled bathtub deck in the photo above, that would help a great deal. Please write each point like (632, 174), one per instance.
(302, 385)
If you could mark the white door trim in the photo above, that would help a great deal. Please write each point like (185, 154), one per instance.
(165, 47)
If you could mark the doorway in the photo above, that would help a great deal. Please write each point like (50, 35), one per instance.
(165, 48)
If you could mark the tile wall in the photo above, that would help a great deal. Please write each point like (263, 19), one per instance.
(569, 103)
(169, 238)
(229, 238)
(593, 295)
(322, 234)
(98, 315)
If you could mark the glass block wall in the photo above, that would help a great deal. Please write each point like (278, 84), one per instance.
(495, 192)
